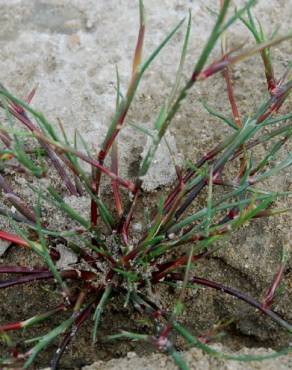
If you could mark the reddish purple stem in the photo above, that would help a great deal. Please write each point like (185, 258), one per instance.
(235, 293)
(269, 296)
(45, 275)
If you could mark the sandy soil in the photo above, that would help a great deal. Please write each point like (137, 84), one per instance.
(70, 49)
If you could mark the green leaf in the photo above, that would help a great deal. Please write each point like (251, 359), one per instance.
(179, 361)
(287, 162)
(210, 351)
(45, 340)
(219, 115)
(60, 203)
(128, 335)
(99, 309)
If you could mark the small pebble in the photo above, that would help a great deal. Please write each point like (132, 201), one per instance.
(89, 25)
(3, 246)
(137, 226)
(131, 355)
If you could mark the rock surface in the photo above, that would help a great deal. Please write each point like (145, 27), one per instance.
(70, 49)
(195, 359)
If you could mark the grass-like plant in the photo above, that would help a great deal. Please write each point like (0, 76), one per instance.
(111, 262)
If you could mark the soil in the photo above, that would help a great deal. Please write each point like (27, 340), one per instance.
(70, 49)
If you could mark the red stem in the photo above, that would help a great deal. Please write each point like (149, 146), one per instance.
(16, 201)
(13, 239)
(80, 319)
(231, 97)
(120, 121)
(167, 267)
(269, 71)
(20, 324)
(67, 274)
(20, 270)
(115, 184)
(269, 296)
(96, 175)
(22, 117)
(126, 225)
(235, 293)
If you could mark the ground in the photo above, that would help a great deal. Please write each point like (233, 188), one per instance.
(70, 50)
